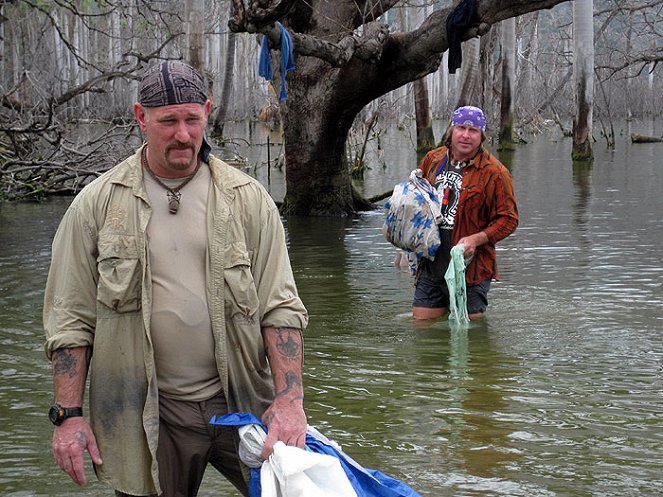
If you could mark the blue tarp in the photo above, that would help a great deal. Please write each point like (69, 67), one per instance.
(366, 482)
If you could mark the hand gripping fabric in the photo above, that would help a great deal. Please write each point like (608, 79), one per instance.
(412, 217)
(455, 278)
(289, 471)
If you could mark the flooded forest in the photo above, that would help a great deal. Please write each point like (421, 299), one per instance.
(70, 71)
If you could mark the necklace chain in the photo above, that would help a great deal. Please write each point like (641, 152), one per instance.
(173, 194)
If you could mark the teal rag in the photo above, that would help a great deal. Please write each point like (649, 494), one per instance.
(455, 278)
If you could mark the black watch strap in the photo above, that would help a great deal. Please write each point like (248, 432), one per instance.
(57, 414)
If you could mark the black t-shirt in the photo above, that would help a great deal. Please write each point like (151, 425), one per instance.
(448, 182)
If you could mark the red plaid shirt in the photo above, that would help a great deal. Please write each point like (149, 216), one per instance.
(487, 203)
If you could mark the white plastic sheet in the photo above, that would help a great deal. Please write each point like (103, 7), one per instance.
(294, 472)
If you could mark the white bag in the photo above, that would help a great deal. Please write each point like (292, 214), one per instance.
(294, 472)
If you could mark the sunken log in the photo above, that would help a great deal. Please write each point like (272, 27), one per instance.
(636, 138)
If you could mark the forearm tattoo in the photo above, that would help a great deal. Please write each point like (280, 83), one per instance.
(66, 363)
(289, 346)
(286, 344)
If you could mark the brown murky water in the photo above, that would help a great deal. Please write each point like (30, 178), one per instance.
(558, 392)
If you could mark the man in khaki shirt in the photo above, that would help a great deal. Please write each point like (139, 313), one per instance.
(171, 285)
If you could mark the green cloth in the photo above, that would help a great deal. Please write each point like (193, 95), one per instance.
(455, 278)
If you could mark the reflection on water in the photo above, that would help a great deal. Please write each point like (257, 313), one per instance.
(558, 392)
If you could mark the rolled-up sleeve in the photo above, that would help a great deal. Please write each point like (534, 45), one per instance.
(69, 313)
(280, 305)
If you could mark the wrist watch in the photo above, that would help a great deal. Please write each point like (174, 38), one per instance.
(57, 414)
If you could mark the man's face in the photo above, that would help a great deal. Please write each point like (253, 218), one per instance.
(465, 142)
(174, 136)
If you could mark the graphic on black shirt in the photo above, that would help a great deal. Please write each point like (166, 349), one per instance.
(449, 183)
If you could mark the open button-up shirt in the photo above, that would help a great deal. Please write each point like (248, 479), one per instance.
(487, 203)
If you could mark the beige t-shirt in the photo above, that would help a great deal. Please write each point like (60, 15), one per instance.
(181, 327)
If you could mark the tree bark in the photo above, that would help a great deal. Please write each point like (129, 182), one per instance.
(507, 118)
(636, 138)
(425, 135)
(469, 88)
(347, 72)
(226, 90)
(583, 66)
(194, 29)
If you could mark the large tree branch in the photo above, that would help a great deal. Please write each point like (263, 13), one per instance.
(421, 47)
(412, 55)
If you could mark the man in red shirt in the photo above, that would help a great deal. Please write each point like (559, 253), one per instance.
(478, 209)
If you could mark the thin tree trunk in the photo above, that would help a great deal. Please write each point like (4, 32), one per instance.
(506, 134)
(194, 30)
(226, 91)
(425, 136)
(469, 88)
(583, 65)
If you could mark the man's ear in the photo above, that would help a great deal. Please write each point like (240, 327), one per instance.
(139, 114)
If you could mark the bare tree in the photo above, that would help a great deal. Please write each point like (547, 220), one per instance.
(583, 64)
(346, 59)
(70, 71)
(507, 118)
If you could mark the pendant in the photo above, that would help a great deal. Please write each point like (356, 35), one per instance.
(173, 202)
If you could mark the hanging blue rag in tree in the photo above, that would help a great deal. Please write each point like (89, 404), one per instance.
(287, 60)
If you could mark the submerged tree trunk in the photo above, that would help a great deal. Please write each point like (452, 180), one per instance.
(469, 88)
(636, 138)
(226, 90)
(583, 66)
(343, 62)
(425, 136)
(318, 176)
(507, 118)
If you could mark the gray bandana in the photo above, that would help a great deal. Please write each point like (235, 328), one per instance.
(172, 82)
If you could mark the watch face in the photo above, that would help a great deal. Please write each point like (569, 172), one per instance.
(55, 414)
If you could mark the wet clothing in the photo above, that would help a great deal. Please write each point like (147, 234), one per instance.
(486, 203)
(188, 440)
(98, 294)
(434, 294)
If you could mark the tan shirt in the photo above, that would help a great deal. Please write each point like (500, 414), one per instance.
(181, 324)
(99, 294)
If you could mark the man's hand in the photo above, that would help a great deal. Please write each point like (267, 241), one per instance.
(470, 243)
(70, 440)
(285, 422)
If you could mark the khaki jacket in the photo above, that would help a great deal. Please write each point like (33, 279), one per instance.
(98, 294)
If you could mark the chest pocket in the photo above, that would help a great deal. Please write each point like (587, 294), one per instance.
(241, 294)
(120, 273)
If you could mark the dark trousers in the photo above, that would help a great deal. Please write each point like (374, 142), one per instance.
(188, 443)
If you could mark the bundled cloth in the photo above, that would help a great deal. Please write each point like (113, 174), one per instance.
(413, 215)
(322, 469)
